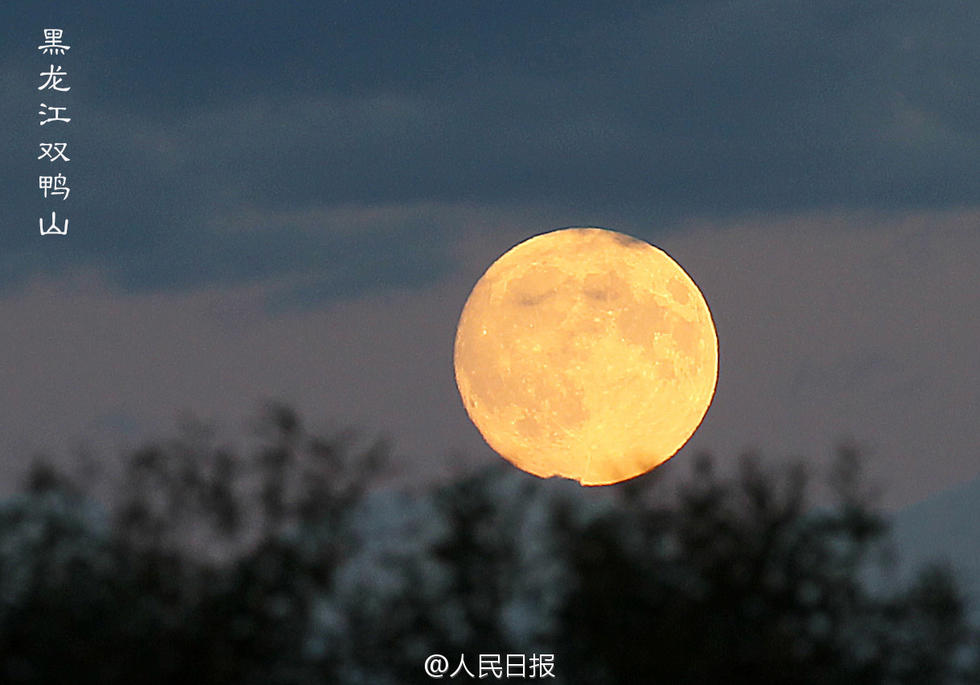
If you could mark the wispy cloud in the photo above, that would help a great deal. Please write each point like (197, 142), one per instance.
(649, 113)
(830, 325)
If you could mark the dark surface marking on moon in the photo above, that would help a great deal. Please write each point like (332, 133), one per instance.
(533, 300)
(629, 241)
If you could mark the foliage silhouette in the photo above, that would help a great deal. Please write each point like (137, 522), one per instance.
(289, 563)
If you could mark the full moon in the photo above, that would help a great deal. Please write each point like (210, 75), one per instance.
(587, 354)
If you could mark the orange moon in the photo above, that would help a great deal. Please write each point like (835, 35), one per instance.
(587, 354)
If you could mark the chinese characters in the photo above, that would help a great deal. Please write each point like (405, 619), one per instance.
(54, 186)
(52, 43)
(497, 666)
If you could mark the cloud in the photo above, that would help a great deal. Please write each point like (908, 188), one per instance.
(640, 113)
(846, 325)
(295, 200)
(830, 325)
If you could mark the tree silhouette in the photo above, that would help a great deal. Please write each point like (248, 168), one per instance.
(741, 581)
(288, 563)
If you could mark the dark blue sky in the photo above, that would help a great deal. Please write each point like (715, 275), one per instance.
(187, 113)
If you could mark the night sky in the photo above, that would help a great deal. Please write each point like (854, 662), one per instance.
(292, 201)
